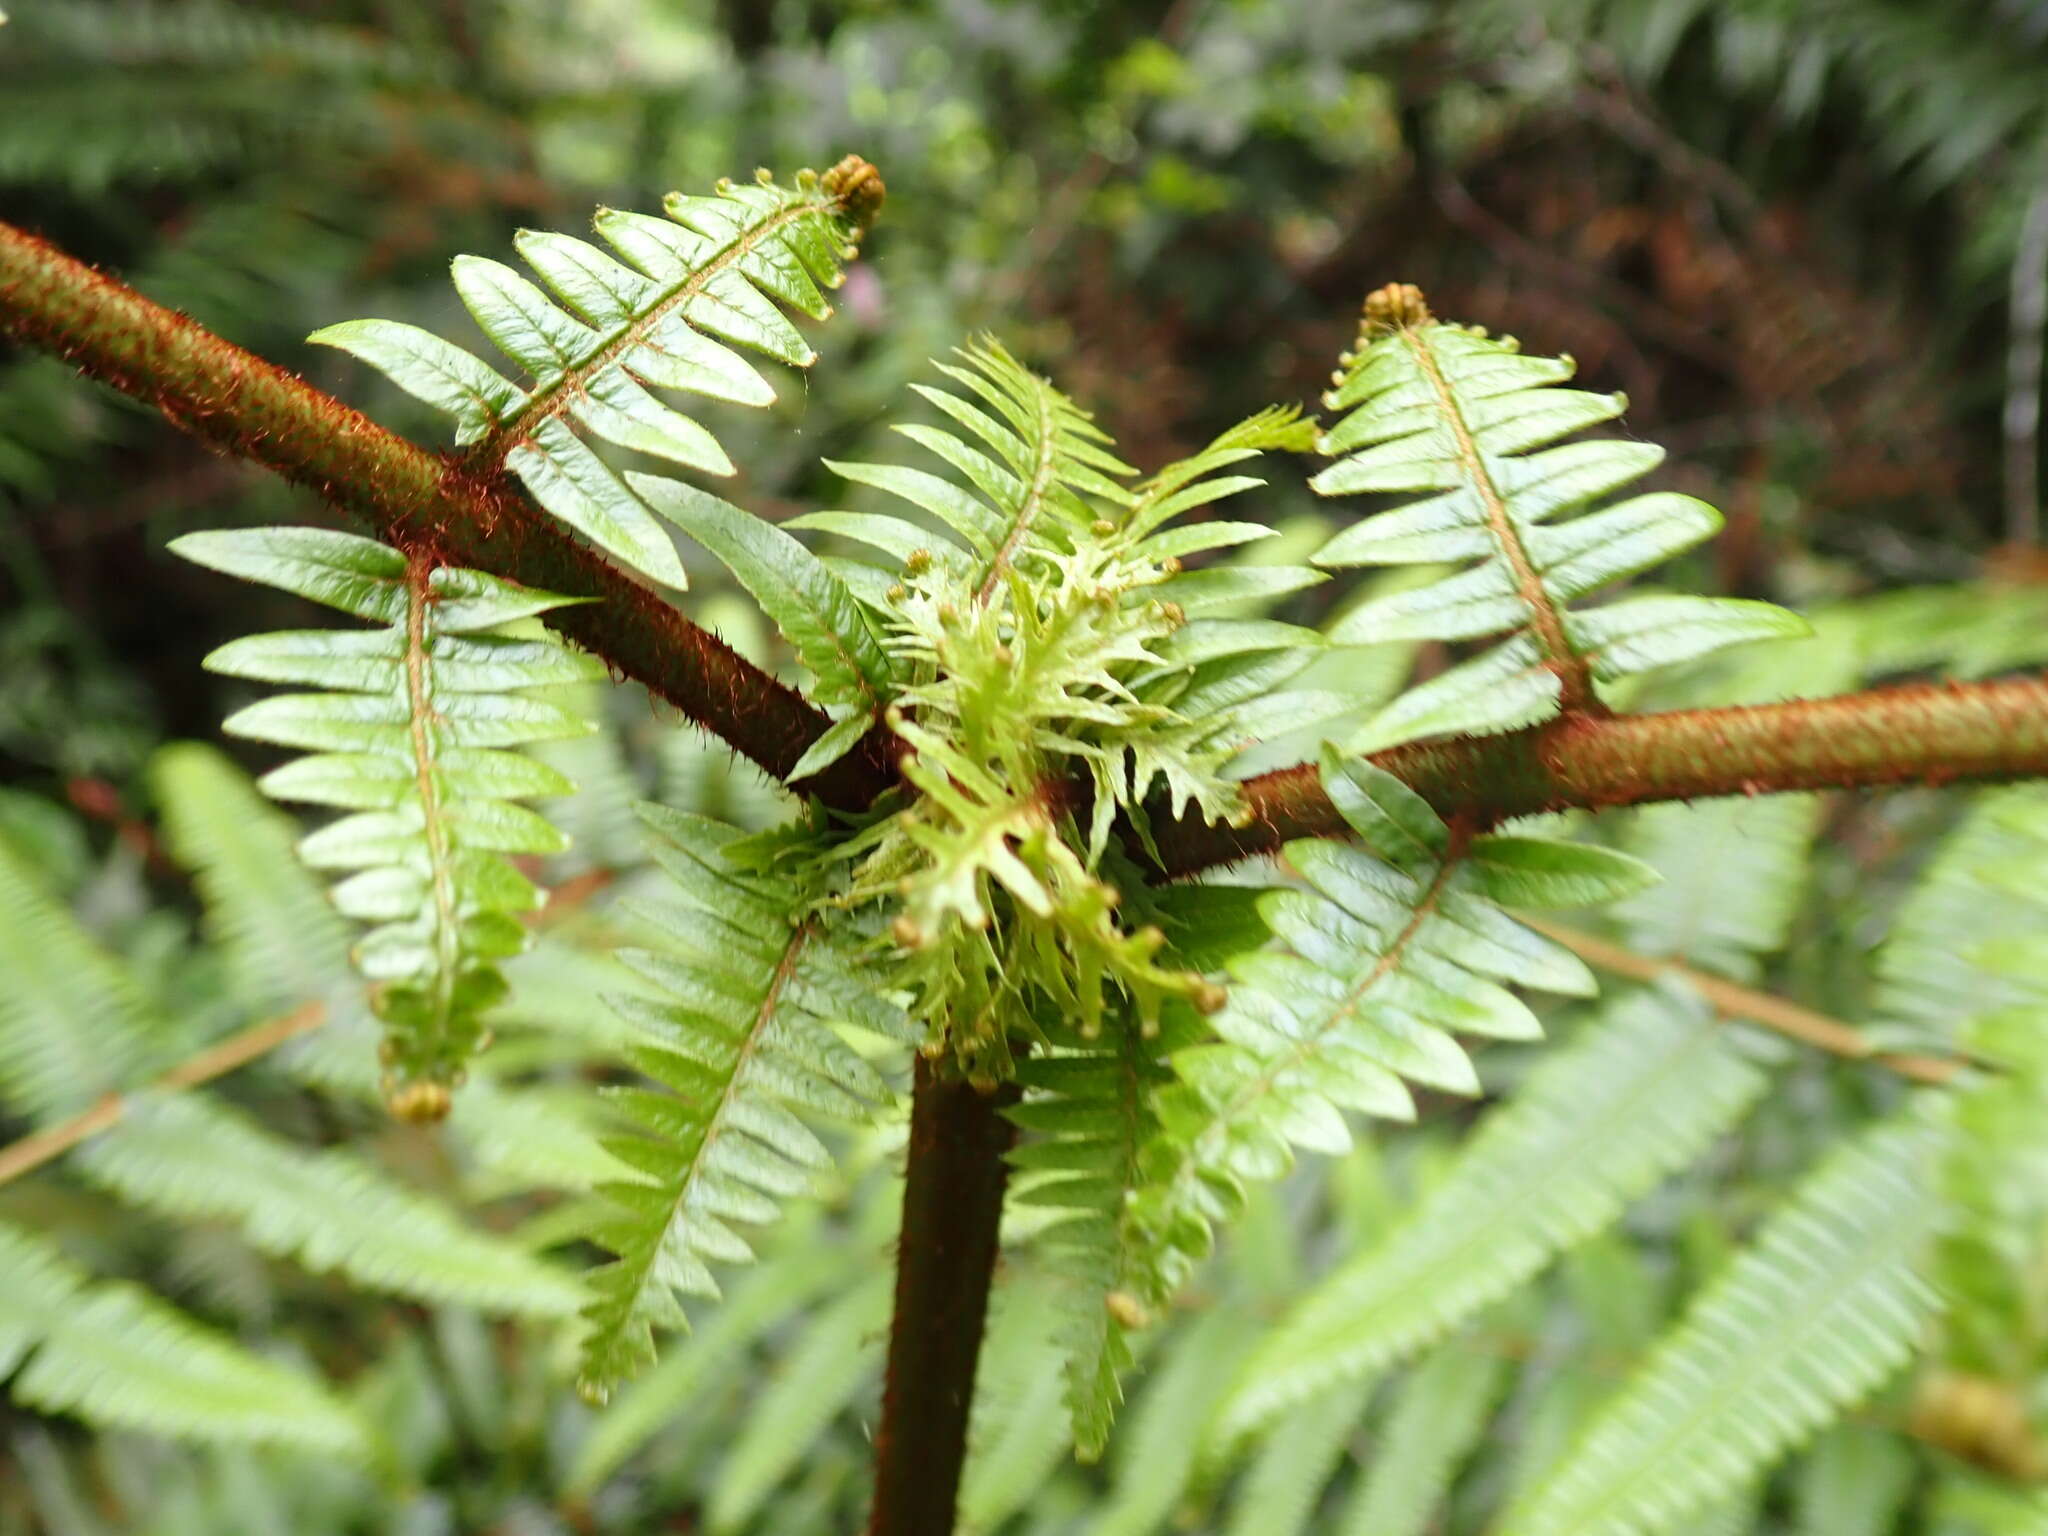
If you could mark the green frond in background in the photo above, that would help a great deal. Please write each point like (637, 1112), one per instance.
(1393, 951)
(113, 1354)
(712, 272)
(1640, 1094)
(1438, 407)
(412, 741)
(739, 1041)
(1821, 1308)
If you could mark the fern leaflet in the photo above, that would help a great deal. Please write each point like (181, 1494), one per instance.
(712, 272)
(1640, 1094)
(740, 1036)
(1437, 407)
(1437, 1419)
(412, 740)
(1814, 1314)
(1392, 950)
(113, 1354)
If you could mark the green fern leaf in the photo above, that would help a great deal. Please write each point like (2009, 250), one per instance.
(611, 331)
(1279, 1491)
(1436, 407)
(1018, 1435)
(266, 915)
(73, 1023)
(1087, 1109)
(1819, 1310)
(1932, 972)
(194, 1160)
(1639, 1095)
(1436, 1421)
(1720, 913)
(1392, 951)
(804, 1266)
(813, 608)
(829, 1363)
(412, 740)
(739, 1034)
(117, 1357)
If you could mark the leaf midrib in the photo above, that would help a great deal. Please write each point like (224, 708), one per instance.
(550, 400)
(1548, 623)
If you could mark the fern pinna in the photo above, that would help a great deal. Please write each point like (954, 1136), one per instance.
(1031, 656)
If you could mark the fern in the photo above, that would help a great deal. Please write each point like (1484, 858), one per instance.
(188, 1158)
(1437, 407)
(713, 272)
(73, 1024)
(412, 741)
(1278, 1493)
(1720, 913)
(740, 1035)
(1434, 1425)
(192, 1160)
(1392, 951)
(115, 1355)
(1931, 974)
(281, 940)
(1640, 1094)
(1818, 1311)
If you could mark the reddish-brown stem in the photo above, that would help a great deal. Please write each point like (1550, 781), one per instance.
(235, 400)
(945, 1262)
(1922, 734)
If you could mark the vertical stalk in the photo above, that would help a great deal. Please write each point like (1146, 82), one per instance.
(952, 1207)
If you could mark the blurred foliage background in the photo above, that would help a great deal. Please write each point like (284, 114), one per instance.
(1805, 236)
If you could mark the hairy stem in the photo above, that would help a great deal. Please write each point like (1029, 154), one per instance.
(1931, 733)
(407, 496)
(952, 1208)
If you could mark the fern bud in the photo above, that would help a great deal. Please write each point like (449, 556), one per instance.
(420, 1102)
(917, 562)
(907, 932)
(1170, 565)
(764, 176)
(1397, 306)
(1208, 997)
(857, 187)
(1128, 1311)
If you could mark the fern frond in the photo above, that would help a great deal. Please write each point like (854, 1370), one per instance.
(1392, 950)
(1720, 913)
(1436, 407)
(73, 1022)
(1017, 1436)
(1854, 1482)
(115, 1356)
(265, 913)
(1087, 1114)
(740, 1035)
(1436, 1420)
(1932, 977)
(1278, 1493)
(830, 1362)
(413, 741)
(713, 272)
(1039, 460)
(1156, 1456)
(1815, 1313)
(1641, 1093)
(191, 1159)
(802, 1267)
